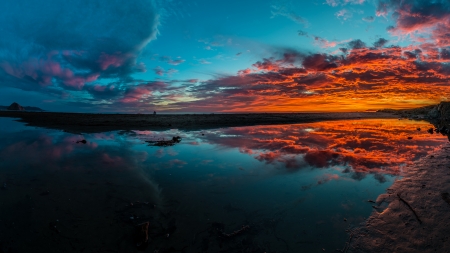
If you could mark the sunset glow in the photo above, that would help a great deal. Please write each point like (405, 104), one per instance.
(233, 56)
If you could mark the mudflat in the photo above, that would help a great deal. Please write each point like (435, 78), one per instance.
(414, 214)
(92, 123)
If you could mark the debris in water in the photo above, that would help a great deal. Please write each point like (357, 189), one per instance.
(82, 141)
(52, 226)
(236, 232)
(164, 143)
(141, 235)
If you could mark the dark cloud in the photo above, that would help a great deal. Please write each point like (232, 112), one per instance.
(159, 71)
(285, 58)
(324, 43)
(104, 91)
(171, 61)
(445, 54)
(369, 19)
(46, 43)
(302, 33)
(319, 62)
(343, 50)
(356, 44)
(381, 42)
(286, 11)
(410, 55)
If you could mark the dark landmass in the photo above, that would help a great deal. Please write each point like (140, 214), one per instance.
(16, 107)
(432, 113)
(92, 123)
(32, 108)
(438, 115)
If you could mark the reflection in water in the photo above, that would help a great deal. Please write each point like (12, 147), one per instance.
(290, 188)
(62, 196)
(364, 146)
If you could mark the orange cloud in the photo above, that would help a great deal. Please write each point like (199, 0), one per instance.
(363, 78)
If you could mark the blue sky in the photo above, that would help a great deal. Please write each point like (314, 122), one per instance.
(214, 32)
(223, 56)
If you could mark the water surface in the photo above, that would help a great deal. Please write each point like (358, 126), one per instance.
(295, 188)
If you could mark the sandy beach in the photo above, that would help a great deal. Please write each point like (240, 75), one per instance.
(414, 214)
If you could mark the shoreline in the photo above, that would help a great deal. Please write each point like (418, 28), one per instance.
(95, 123)
(413, 215)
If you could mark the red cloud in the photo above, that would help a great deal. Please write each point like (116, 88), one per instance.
(117, 60)
(136, 94)
(424, 17)
(362, 78)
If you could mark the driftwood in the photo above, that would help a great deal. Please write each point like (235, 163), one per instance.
(409, 206)
(141, 235)
(236, 232)
(164, 143)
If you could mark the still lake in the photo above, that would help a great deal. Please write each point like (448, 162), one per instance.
(281, 188)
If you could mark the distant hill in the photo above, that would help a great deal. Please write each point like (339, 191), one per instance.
(16, 107)
(33, 108)
(440, 112)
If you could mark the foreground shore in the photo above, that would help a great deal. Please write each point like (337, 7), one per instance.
(414, 214)
(92, 123)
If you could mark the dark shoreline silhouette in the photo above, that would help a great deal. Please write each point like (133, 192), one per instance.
(93, 123)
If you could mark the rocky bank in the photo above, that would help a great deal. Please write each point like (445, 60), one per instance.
(414, 214)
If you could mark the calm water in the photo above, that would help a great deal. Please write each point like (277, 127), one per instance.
(298, 188)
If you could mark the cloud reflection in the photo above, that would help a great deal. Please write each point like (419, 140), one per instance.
(358, 147)
(48, 153)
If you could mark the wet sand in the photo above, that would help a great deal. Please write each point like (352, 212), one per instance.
(95, 123)
(414, 214)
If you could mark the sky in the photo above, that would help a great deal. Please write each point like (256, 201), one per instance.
(198, 56)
